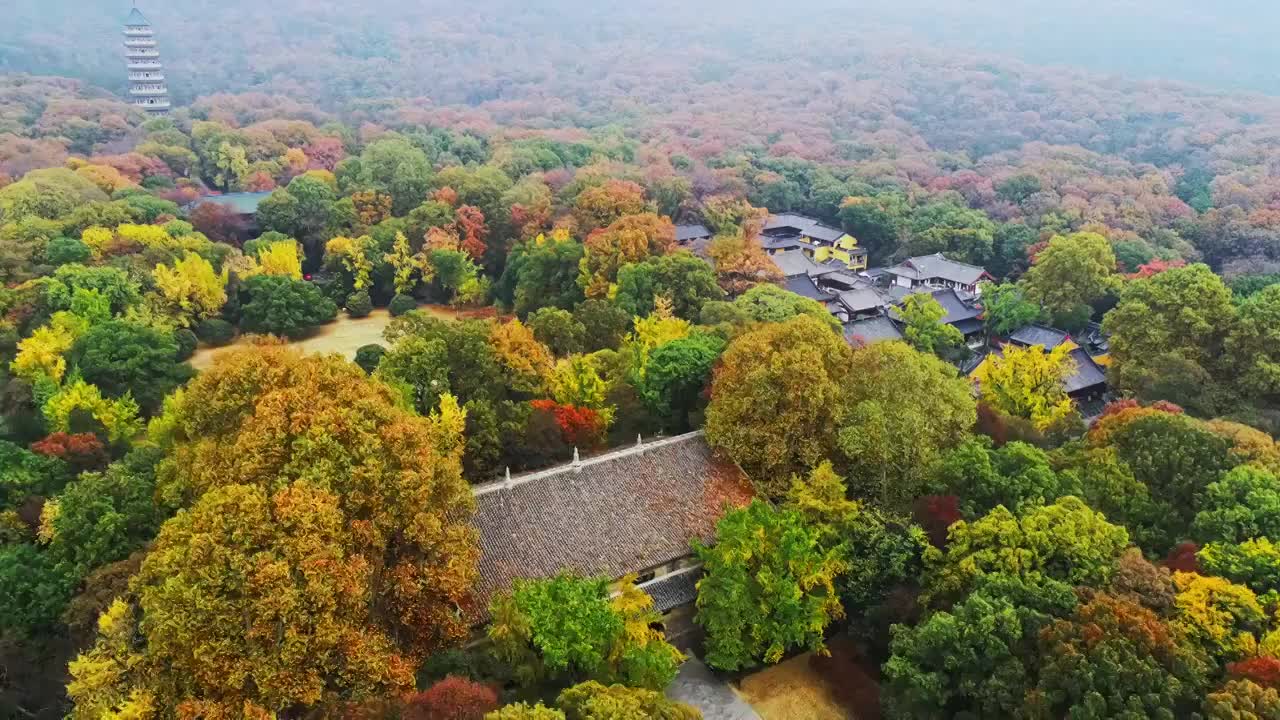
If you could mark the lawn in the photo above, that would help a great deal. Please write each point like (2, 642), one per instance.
(344, 335)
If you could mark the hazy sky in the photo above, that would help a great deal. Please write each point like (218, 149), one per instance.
(1218, 43)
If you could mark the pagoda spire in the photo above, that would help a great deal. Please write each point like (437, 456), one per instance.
(147, 88)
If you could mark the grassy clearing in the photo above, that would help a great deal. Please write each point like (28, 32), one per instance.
(344, 335)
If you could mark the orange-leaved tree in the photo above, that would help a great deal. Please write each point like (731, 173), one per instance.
(629, 239)
(322, 551)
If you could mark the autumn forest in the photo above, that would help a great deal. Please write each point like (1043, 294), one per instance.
(594, 361)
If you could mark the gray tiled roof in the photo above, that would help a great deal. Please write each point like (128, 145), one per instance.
(610, 515)
(956, 308)
(862, 299)
(872, 330)
(1088, 374)
(1046, 337)
(803, 225)
(790, 243)
(780, 221)
(927, 267)
(803, 286)
(685, 233)
(673, 590)
(795, 262)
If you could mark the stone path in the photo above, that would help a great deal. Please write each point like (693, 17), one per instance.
(699, 687)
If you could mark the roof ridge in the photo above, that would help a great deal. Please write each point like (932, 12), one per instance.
(940, 256)
(637, 449)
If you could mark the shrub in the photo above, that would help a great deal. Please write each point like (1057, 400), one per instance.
(283, 306)
(359, 304)
(215, 331)
(369, 356)
(64, 250)
(1182, 558)
(936, 514)
(453, 698)
(82, 451)
(187, 343)
(1264, 671)
(401, 304)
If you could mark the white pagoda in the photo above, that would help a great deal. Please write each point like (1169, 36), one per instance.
(147, 88)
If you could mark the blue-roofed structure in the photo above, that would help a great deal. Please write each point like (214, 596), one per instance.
(241, 203)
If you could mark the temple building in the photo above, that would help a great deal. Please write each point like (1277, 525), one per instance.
(147, 88)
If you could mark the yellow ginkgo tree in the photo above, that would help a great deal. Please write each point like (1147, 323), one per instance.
(280, 258)
(353, 256)
(1027, 383)
(190, 291)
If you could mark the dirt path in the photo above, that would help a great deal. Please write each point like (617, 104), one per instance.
(344, 335)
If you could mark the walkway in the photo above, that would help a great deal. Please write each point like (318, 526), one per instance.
(699, 687)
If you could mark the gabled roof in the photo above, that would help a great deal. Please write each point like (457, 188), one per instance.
(673, 590)
(1046, 337)
(685, 233)
(957, 309)
(1088, 374)
(789, 220)
(795, 262)
(968, 326)
(927, 267)
(871, 330)
(136, 19)
(617, 513)
(804, 286)
(862, 300)
(803, 225)
(792, 242)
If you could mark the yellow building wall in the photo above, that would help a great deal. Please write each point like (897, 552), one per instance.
(828, 252)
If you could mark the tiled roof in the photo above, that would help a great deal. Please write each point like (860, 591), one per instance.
(862, 299)
(794, 262)
(673, 590)
(956, 308)
(872, 330)
(796, 221)
(927, 267)
(1088, 374)
(609, 515)
(1046, 337)
(685, 233)
(803, 286)
(803, 225)
(968, 326)
(791, 242)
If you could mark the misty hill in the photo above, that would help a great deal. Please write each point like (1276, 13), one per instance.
(468, 53)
